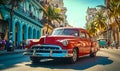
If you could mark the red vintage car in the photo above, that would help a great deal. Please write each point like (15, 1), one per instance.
(64, 43)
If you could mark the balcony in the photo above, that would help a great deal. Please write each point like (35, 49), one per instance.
(29, 14)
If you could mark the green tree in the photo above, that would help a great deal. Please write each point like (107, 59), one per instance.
(99, 21)
(91, 28)
(113, 11)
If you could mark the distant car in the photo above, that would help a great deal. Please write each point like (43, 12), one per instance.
(102, 42)
(64, 43)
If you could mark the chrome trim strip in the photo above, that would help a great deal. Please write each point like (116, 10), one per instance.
(51, 53)
(48, 52)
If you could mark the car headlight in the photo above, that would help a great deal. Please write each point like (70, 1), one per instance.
(64, 42)
(27, 42)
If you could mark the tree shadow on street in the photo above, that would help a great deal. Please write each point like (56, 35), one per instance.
(82, 64)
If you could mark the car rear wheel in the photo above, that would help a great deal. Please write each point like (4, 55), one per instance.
(92, 53)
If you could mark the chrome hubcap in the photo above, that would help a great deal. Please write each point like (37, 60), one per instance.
(74, 55)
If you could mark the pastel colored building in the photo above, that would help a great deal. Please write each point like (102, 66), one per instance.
(26, 22)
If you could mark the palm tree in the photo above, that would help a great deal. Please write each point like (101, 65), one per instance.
(97, 25)
(12, 4)
(99, 21)
(113, 11)
(91, 28)
(50, 15)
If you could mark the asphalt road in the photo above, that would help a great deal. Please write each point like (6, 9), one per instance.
(106, 60)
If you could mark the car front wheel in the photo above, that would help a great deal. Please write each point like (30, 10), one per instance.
(74, 58)
(34, 59)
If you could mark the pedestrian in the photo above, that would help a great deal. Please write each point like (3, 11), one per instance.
(112, 44)
(23, 44)
(108, 42)
(0, 44)
(3, 42)
(116, 44)
(20, 45)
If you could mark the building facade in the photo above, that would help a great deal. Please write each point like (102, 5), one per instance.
(91, 12)
(26, 22)
(59, 8)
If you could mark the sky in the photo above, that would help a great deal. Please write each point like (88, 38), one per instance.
(76, 10)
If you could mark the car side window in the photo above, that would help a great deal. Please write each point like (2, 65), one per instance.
(82, 35)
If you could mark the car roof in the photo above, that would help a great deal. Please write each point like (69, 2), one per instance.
(70, 28)
(75, 28)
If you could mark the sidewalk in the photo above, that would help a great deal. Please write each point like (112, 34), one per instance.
(12, 52)
(110, 50)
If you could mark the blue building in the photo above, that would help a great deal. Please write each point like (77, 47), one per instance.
(26, 21)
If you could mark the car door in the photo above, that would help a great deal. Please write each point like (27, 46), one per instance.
(85, 42)
(88, 43)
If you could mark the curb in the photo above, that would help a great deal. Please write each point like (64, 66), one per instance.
(12, 52)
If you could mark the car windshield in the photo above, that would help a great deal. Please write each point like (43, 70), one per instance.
(65, 32)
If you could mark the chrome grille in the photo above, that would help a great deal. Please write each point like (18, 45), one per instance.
(46, 51)
(46, 47)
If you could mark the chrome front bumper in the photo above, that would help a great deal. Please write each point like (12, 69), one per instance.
(47, 51)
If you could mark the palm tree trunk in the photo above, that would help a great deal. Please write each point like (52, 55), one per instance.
(117, 21)
(117, 32)
(114, 35)
(47, 28)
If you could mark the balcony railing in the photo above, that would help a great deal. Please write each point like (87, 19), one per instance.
(28, 14)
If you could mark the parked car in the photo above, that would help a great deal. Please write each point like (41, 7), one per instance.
(102, 43)
(64, 43)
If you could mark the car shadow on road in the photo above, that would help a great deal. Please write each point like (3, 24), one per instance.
(82, 64)
(10, 61)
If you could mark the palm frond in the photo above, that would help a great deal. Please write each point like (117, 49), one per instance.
(102, 6)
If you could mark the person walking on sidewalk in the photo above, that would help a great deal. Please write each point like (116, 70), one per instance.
(116, 44)
(3, 42)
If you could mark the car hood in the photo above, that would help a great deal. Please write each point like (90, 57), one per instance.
(53, 39)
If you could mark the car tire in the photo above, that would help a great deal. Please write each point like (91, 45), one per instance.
(34, 59)
(92, 53)
(74, 58)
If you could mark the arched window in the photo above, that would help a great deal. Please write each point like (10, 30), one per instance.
(24, 6)
(35, 11)
(30, 7)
